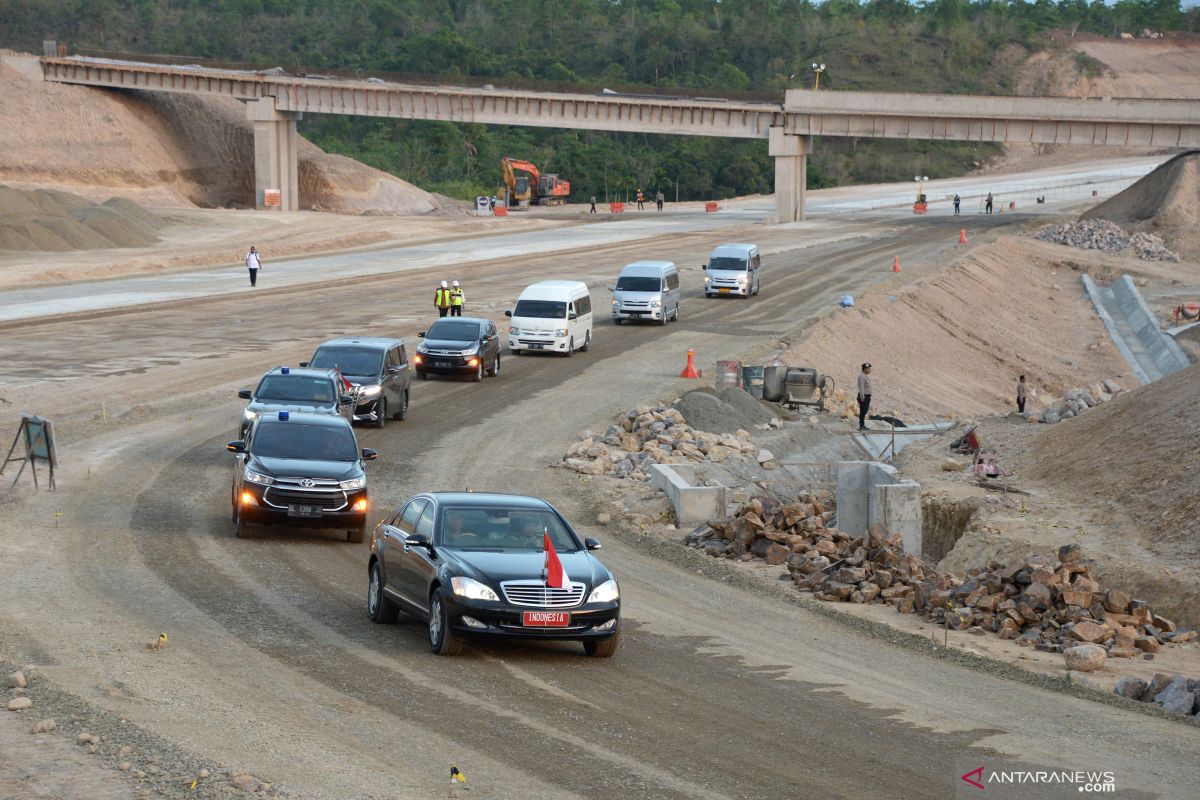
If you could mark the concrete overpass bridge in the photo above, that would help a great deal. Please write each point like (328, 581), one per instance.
(275, 101)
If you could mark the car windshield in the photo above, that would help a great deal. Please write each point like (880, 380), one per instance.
(728, 263)
(453, 331)
(350, 360)
(541, 309)
(476, 528)
(306, 389)
(312, 442)
(637, 283)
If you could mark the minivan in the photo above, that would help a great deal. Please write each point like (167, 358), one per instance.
(554, 316)
(378, 369)
(646, 290)
(733, 269)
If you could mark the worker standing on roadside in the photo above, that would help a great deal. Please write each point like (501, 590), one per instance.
(987, 204)
(441, 299)
(457, 298)
(864, 396)
(1021, 395)
(641, 200)
(593, 208)
(658, 199)
(254, 264)
(957, 202)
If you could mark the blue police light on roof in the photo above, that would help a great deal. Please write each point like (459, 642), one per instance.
(286, 370)
(283, 416)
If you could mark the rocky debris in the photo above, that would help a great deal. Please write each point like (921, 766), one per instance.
(17, 680)
(1077, 401)
(19, 703)
(44, 726)
(244, 781)
(768, 529)
(1085, 657)
(651, 435)
(1107, 237)
(603, 518)
(1172, 693)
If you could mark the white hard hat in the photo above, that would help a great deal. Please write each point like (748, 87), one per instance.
(444, 284)
(456, 283)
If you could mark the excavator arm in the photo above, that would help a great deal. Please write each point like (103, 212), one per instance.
(513, 163)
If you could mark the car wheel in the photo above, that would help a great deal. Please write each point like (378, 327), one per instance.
(241, 530)
(403, 412)
(478, 372)
(495, 370)
(677, 312)
(381, 412)
(421, 375)
(380, 608)
(602, 648)
(355, 535)
(442, 640)
(233, 506)
(571, 347)
(664, 318)
(587, 342)
(617, 320)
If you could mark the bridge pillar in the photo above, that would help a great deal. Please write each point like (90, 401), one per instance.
(276, 165)
(791, 171)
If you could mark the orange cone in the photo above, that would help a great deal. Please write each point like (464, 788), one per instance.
(896, 264)
(962, 236)
(690, 370)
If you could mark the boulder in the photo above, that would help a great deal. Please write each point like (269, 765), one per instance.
(1085, 657)
(1156, 685)
(777, 554)
(1130, 686)
(1176, 697)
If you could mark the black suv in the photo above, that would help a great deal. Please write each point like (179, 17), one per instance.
(475, 564)
(316, 391)
(379, 370)
(302, 471)
(459, 346)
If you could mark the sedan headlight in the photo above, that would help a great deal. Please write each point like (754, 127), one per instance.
(248, 415)
(258, 477)
(605, 592)
(369, 391)
(353, 483)
(707, 279)
(472, 589)
(471, 351)
(561, 332)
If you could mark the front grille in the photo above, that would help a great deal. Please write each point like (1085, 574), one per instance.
(329, 498)
(635, 304)
(537, 594)
(536, 341)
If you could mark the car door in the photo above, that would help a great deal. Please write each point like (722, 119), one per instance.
(583, 310)
(492, 348)
(390, 381)
(418, 566)
(394, 549)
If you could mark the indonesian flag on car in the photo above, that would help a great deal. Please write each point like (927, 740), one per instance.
(346, 384)
(556, 576)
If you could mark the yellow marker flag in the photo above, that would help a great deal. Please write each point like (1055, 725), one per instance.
(456, 776)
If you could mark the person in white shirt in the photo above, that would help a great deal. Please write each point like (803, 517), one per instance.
(254, 264)
(864, 396)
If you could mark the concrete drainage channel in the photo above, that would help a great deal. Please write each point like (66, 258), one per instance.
(1150, 352)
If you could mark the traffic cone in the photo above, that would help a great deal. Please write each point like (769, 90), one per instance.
(690, 370)
(962, 236)
(896, 264)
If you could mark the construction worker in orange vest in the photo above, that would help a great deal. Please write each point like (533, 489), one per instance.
(441, 299)
(641, 199)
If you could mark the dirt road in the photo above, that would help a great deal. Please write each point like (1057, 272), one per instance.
(717, 692)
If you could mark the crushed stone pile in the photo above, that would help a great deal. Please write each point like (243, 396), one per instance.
(726, 411)
(49, 220)
(1049, 605)
(651, 435)
(1107, 237)
(1163, 202)
(1078, 401)
(1172, 693)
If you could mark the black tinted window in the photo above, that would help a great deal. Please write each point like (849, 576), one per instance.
(408, 520)
(350, 360)
(583, 305)
(673, 280)
(499, 527)
(305, 389)
(727, 263)
(541, 309)
(635, 283)
(453, 331)
(297, 440)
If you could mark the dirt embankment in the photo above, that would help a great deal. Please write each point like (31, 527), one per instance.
(168, 150)
(1166, 202)
(49, 220)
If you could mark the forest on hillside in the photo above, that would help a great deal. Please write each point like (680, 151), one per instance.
(710, 47)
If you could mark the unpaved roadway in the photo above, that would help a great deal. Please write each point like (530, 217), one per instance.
(272, 666)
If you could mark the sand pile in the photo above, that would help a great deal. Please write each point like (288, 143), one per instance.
(1166, 202)
(955, 345)
(1139, 452)
(49, 220)
(169, 150)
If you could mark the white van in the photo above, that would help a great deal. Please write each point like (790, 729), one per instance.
(733, 269)
(551, 315)
(646, 290)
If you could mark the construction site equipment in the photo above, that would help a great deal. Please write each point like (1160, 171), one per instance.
(689, 371)
(804, 386)
(729, 373)
(774, 376)
(521, 191)
(962, 236)
(896, 264)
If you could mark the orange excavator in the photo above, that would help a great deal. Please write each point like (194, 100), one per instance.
(535, 189)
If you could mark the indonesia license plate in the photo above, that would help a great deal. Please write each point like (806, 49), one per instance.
(304, 511)
(723, 291)
(443, 364)
(546, 619)
(536, 346)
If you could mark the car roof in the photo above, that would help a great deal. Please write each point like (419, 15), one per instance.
(365, 342)
(459, 319)
(488, 499)
(647, 267)
(304, 372)
(305, 418)
(733, 249)
(552, 290)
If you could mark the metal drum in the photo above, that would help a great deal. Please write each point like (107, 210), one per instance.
(752, 381)
(774, 379)
(729, 374)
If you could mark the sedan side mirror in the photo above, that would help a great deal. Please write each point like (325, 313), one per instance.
(236, 447)
(417, 540)
(508, 313)
(394, 370)
(704, 266)
(369, 455)
(346, 399)
(305, 363)
(245, 394)
(420, 334)
(591, 544)
(612, 287)
(572, 316)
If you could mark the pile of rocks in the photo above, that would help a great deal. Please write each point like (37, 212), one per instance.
(1077, 401)
(1173, 693)
(768, 529)
(651, 435)
(1107, 237)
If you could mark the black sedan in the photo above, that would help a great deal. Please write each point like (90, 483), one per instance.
(475, 565)
(459, 346)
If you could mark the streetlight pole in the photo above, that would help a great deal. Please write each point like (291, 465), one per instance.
(817, 70)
